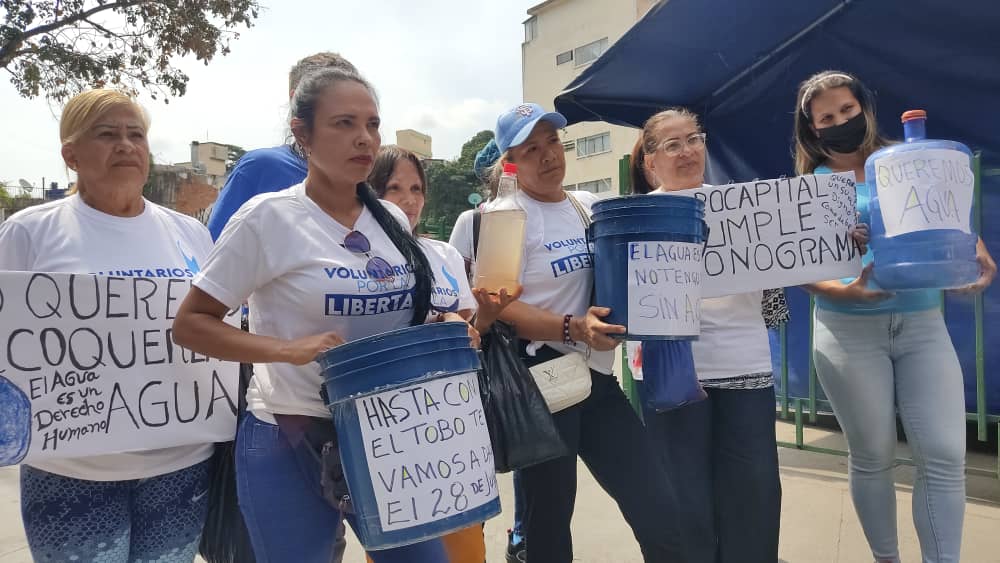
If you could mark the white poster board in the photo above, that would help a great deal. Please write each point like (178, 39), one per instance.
(428, 451)
(778, 233)
(88, 367)
(664, 288)
(924, 190)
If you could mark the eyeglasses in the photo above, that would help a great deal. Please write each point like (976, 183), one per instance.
(376, 267)
(674, 147)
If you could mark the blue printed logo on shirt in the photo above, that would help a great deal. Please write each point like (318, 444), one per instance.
(570, 264)
(447, 292)
(355, 305)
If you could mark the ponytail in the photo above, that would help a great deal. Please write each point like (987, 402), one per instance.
(408, 246)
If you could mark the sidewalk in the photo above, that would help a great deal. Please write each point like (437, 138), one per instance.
(818, 524)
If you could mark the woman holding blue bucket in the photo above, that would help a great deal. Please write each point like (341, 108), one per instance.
(875, 350)
(554, 318)
(721, 452)
(299, 256)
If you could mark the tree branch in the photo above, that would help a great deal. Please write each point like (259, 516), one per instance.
(81, 16)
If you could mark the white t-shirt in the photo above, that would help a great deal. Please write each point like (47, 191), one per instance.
(461, 234)
(733, 340)
(558, 271)
(284, 254)
(451, 291)
(70, 236)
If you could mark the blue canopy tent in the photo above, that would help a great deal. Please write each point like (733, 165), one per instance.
(738, 65)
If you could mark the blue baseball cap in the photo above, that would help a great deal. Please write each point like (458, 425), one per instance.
(515, 124)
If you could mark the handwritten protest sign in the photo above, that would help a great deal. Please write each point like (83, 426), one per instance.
(664, 288)
(778, 233)
(924, 190)
(428, 451)
(88, 366)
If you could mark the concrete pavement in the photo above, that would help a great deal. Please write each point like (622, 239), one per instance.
(818, 523)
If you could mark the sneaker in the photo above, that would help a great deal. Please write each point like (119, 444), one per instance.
(516, 553)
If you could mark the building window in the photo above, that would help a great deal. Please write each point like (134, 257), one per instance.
(569, 145)
(597, 144)
(596, 186)
(563, 58)
(589, 52)
(569, 187)
(530, 29)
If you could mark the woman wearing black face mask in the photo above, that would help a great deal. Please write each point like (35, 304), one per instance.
(875, 350)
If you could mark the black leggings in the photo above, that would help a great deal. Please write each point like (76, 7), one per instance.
(608, 436)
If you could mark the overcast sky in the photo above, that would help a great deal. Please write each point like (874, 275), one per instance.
(443, 67)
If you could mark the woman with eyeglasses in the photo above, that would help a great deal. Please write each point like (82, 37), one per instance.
(321, 263)
(721, 453)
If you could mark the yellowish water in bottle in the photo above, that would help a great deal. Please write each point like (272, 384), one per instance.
(501, 245)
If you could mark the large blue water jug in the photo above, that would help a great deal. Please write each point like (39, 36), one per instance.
(921, 211)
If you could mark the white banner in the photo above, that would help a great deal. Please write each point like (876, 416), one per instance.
(428, 451)
(778, 233)
(664, 288)
(88, 367)
(924, 190)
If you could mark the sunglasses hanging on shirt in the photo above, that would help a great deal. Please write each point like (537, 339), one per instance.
(377, 267)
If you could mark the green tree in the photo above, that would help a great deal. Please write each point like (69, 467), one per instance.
(61, 47)
(449, 184)
(5, 196)
(235, 154)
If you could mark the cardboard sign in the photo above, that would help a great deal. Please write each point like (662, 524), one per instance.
(664, 288)
(778, 233)
(428, 451)
(88, 367)
(923, 190)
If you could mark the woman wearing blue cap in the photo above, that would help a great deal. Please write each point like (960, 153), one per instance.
(554, 319)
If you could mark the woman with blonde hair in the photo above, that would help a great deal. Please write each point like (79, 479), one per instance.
(134, 506)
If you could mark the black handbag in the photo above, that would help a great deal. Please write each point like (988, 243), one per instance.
(224, 537)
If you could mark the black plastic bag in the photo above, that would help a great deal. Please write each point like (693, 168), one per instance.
(224, 538)
(521, 427)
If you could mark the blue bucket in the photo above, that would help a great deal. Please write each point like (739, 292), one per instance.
(413, 438)
(652, 222)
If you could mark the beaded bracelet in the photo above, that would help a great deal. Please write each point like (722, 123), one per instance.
(566, 337)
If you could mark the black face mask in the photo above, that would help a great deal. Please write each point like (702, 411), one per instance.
(846, 137)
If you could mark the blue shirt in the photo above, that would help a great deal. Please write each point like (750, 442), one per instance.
(258, 171)
(902, 302)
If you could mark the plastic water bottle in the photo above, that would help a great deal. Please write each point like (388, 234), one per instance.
(921, 211)
(501, 237)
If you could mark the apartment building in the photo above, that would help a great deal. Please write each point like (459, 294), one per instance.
(561, 39)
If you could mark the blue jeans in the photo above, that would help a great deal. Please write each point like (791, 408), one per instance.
(285, 512)
(722, 456)
(155, 519)
(869, 364)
